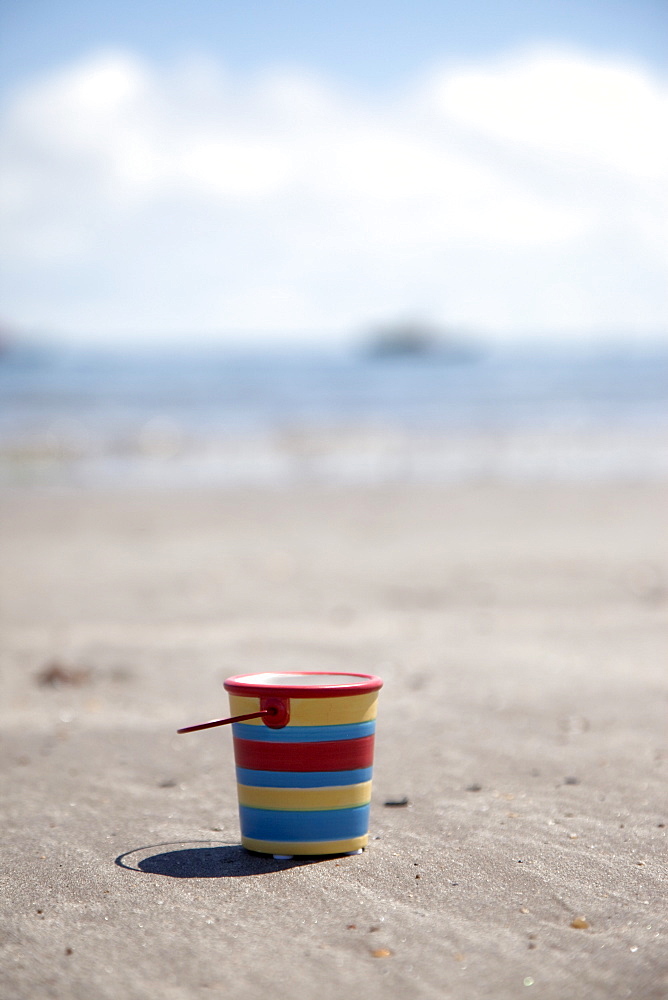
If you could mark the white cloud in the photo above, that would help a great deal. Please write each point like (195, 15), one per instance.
(568, 107)
(239, 167)
(519, 196)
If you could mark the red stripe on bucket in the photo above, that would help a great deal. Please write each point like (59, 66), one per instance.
(339, 755)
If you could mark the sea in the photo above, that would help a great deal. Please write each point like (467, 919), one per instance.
(203, 417)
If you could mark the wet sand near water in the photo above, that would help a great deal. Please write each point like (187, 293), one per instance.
(521, 634)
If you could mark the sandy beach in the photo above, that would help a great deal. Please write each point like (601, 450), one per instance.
(521, 634)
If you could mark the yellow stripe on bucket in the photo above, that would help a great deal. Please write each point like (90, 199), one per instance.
(305, 846)
(315, 711)
(306, 799)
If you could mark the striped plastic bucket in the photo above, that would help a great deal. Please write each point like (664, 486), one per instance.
(304, 772)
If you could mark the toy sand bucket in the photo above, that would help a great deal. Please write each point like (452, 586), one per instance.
(303, 748)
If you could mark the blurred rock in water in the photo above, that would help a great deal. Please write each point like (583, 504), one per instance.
(416, 340)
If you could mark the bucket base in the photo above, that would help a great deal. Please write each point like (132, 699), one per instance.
(297, 847)
(289, 857)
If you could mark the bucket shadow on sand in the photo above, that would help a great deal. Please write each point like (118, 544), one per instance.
(208, 859)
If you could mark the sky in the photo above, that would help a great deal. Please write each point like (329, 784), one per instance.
(308, 171)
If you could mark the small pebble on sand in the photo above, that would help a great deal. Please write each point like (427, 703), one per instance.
(57, 674)
(381, 953)
(580, 924)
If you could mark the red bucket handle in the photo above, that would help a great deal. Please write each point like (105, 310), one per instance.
(274, 711)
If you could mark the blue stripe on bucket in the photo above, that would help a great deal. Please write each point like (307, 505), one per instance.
(304, 734)
(334, 824)
(302, 779)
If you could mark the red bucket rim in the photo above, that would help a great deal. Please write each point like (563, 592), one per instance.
(250, 686)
